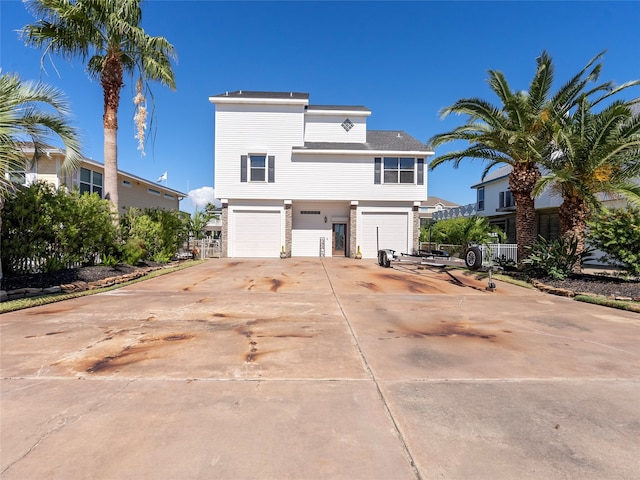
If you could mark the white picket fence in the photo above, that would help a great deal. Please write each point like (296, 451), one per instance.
(490, 251)
(496, 251)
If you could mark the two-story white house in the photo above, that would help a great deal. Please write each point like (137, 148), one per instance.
(312, 180)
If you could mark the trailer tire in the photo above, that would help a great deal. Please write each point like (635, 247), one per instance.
(473, 258)
(383, 259)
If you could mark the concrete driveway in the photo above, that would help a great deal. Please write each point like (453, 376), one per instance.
(319, 369)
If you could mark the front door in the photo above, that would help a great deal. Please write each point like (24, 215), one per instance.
(339, 240)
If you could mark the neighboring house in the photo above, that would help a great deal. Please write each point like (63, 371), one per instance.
(432, 205)
(135, 192)
(312, 180)
(494, 201)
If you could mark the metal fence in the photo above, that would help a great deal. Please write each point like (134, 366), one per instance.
(207, 248)
(500, 251)
(490, 251)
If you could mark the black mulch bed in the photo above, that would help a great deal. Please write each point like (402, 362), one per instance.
(84, 274)
(597, 284)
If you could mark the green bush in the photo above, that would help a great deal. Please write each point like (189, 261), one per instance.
(617, 234)
(159, 233)
(555, 259)
(48, 229)
(133, 251)
(461, 231)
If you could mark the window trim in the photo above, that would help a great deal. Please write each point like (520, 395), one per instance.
(251, 168)
(480, 199)
(247, 170)
(399, 170)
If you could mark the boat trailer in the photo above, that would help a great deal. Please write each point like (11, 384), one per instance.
(437, 258)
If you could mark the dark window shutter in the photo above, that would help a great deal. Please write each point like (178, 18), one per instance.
(377, 171)
(272, 169)
(243, 168)
(421, 171)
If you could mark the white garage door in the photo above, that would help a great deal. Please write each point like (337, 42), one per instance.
(256, 234)
(392, 232)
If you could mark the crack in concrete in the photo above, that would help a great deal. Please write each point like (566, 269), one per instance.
(61, 423)
(373, 378)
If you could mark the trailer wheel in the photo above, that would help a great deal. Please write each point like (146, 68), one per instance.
(473, 258)
(383, 259)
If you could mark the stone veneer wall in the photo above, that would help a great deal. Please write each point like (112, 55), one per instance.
(225, 231)
(288, 229)
(353, 230)
(416, 229)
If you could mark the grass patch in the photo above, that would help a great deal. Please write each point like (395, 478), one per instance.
(22, 303)
(607, 302)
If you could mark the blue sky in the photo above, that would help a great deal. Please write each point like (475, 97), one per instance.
(403, 60)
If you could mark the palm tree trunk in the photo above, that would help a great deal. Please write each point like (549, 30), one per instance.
(111, 80)
(521, 182)
(573, 215)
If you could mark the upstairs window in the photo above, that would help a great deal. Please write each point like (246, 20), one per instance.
(505, 200)
(480, 199)
(399, 170)
(90, 181)
(257, 168)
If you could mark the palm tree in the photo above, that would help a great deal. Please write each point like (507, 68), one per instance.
(31, 112)
(107, 34)
(593, 154)
(516, 133)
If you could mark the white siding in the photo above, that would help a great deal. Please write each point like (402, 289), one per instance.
(273, 130)
(241, 130)
(340, 178)
(328, 128)
(309, 229)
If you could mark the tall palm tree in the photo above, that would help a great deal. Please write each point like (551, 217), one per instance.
(591, 155)
(107, 34)
(31, 112)
(516, 132)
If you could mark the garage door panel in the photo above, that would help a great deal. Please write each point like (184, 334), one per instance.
(389, 230)
(256, 233)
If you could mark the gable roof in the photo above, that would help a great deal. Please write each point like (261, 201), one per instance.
(497, 174)
(394, 141)
(433, 200)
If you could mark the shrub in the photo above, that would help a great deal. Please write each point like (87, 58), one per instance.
(48, 229)
(158, 232)
(133, 251)
(617, 234)
(461, 231)
(555, 259)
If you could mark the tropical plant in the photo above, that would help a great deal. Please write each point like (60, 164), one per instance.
(462, 230)
(553, 258)
(108, 36)
(516, 132)
(617, 234)
(591, 155)
(35, 112)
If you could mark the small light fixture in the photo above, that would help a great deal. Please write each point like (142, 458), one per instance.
(325, 219)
